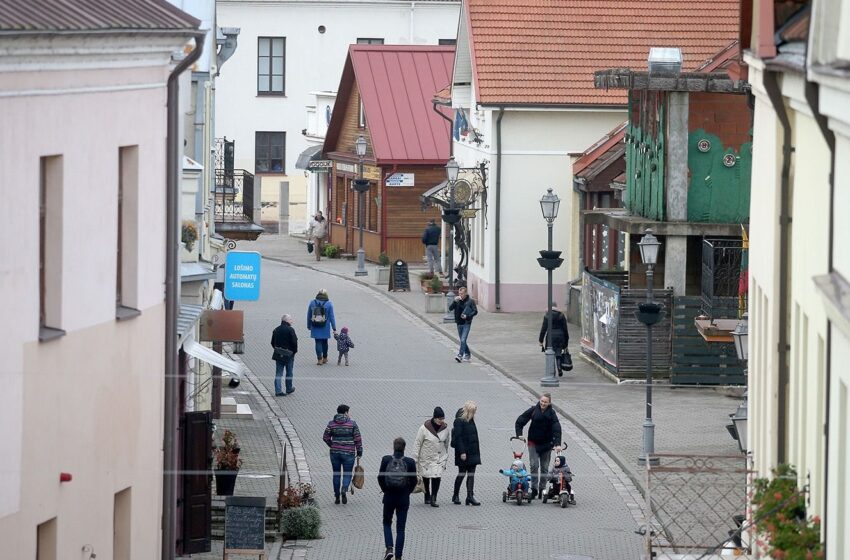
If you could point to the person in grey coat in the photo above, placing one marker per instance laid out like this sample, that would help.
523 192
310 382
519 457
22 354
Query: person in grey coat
431 240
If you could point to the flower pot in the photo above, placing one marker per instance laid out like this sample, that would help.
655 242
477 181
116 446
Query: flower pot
435 303
382 275
225 482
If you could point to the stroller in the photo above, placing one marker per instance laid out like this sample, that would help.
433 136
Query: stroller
517 491
559 491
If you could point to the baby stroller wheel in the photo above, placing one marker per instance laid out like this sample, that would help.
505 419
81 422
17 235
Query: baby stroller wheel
564 500
518 497
545 497
504 496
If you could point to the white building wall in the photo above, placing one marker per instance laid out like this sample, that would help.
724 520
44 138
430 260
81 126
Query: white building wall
90 402
313 61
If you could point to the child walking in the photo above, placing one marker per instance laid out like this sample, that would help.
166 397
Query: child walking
343 345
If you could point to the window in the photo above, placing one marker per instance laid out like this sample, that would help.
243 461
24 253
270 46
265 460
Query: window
369 41
46 540
121 526
269 151
271 54
361 118
50 247
127 233
447 42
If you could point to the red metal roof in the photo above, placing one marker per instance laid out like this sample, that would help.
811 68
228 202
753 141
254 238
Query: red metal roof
545 51
90 15
600 148
397 84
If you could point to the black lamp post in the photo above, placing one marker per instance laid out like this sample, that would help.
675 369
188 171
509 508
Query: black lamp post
649 313
451 216
739 418
361 186
550 260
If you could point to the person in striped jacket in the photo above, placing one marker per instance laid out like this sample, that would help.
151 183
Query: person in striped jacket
343 437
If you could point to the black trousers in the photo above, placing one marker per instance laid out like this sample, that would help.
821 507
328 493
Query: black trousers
469 472
432 486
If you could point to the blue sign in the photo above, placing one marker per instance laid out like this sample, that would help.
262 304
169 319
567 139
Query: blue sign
242 276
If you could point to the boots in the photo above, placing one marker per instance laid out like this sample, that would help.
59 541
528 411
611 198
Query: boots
434 501
456 500
471 501
470 495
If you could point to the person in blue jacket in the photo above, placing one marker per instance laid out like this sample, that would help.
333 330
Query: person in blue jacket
321 321
519 476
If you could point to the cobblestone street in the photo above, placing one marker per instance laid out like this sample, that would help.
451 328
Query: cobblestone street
399 371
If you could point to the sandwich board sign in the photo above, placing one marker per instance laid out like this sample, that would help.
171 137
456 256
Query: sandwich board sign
242 276
244 526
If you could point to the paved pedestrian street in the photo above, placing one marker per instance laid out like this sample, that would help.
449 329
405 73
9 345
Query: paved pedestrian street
400 370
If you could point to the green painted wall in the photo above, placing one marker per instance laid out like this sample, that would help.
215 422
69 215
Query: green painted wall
718 193
645 170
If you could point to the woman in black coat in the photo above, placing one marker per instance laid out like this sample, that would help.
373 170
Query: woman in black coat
560 337
467 452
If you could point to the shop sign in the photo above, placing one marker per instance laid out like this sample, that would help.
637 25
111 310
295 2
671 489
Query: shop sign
400 180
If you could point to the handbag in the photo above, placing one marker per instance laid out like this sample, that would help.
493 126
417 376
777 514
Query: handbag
283 354
566 361
420 486
309 247
359 478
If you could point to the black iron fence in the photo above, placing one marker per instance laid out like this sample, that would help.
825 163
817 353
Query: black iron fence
721 270
234 195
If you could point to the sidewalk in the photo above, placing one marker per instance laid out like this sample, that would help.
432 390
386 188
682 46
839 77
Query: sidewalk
689 420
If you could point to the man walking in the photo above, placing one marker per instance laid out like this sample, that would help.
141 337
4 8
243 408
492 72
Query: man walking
431 240
544 433
317 232
465 309
285 344
397 479
343 437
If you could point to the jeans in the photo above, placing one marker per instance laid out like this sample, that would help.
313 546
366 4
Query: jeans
398 508
539 467
463 334
432 252
321 347
278 374
341 462
520 483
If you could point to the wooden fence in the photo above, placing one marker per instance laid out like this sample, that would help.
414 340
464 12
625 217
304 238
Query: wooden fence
631 346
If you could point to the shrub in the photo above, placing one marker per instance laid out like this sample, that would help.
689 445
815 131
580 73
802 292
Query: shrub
436 284
295 496
331 251
383 259
301 522
780 517
189 234
426 276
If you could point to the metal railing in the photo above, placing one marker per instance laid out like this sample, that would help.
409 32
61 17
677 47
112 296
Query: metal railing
721 270
234 196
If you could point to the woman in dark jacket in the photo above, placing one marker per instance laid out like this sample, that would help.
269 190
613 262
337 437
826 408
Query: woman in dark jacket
467 452
560 337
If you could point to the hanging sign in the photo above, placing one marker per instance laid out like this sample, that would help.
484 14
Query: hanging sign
242 276
400 180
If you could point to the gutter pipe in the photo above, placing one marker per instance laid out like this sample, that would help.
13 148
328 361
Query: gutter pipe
172 270
498 258
774 93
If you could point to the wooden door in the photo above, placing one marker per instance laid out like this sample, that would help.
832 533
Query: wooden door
197 482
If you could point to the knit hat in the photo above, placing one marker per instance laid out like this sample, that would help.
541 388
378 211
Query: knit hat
438 413
344 330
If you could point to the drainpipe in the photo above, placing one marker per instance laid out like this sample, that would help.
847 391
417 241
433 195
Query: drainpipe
812 92
498 258
172 284
774 93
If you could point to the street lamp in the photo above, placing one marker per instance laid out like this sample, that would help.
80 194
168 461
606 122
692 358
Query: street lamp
361 186
739 417
648 313
451 216
550 260
739 335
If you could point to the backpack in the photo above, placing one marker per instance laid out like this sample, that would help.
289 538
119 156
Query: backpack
319 318
395 477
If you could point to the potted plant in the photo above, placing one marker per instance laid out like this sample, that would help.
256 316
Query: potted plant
227 463
331 251
382 271
435 300
189 234
425 280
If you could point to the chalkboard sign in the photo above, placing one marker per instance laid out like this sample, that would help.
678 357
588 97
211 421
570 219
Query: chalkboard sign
399 277
244 524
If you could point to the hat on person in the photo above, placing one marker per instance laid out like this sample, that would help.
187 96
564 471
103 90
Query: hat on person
518 463
438 412
344 329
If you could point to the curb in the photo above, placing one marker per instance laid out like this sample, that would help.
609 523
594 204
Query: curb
633 476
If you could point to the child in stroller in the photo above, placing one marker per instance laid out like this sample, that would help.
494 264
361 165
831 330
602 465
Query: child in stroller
560 490
518 486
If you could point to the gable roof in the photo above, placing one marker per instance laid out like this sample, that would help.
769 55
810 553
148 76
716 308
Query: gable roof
92 15
602 153
397 85
544 52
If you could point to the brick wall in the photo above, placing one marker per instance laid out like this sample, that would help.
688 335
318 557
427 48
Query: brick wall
726 115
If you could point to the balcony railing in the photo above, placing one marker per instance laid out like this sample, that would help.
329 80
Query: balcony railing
721 270
236 214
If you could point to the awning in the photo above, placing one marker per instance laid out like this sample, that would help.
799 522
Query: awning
212 357
311 160
430 196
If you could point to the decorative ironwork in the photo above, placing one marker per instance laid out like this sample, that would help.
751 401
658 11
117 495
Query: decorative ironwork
234 196
695 504
721 270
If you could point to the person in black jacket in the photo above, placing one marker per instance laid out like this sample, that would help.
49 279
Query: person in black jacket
544 433
560 337
465 309
467 452
397 479
284 337
431 240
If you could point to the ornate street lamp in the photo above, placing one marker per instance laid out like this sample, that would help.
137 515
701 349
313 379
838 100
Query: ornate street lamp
739 417
451 216
361 186
649 313
550 260
739 335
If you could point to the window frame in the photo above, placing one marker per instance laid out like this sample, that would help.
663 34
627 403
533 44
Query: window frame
269 158
370 41
447 42
270 68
